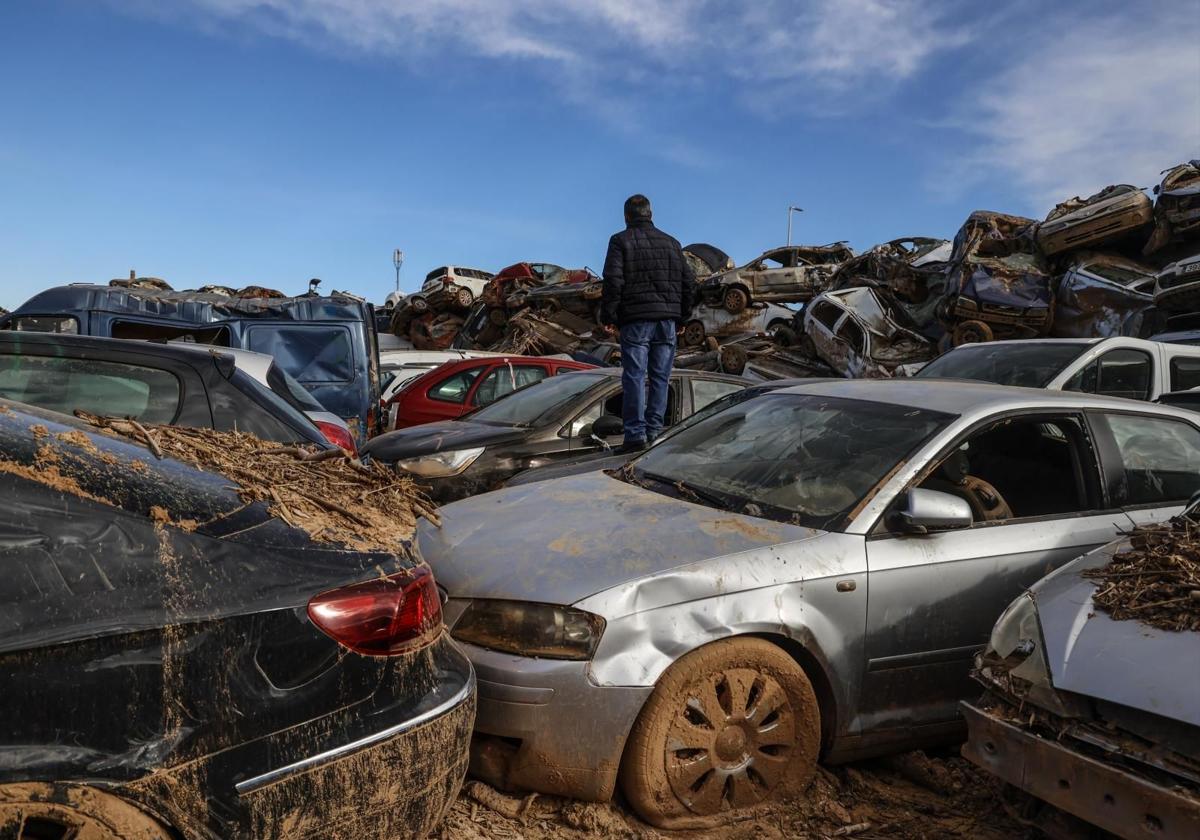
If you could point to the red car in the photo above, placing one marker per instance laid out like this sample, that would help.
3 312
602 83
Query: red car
450 391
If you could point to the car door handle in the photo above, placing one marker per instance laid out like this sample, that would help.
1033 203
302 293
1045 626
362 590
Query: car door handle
846 586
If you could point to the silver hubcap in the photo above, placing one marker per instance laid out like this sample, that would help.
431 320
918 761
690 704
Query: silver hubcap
730 742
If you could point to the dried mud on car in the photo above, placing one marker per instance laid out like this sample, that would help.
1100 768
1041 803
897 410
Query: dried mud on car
912 796
1157 580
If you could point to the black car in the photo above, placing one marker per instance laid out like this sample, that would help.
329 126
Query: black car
600 460
150 382
177 663
558 418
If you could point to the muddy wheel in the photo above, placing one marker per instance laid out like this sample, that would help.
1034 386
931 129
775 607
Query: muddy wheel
693 334
419 305
464 297
972 332
727 726
40 811
735 300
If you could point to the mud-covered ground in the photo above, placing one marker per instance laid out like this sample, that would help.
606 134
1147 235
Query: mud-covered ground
912 797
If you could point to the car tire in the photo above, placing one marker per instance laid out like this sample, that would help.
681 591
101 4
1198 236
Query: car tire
728 726
464 297
735 300
972 332
693 334
419 305
34 810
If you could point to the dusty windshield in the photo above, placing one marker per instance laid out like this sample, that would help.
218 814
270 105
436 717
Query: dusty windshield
535 403
1029 364
805 459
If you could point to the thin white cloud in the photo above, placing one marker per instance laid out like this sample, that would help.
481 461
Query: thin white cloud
1090 103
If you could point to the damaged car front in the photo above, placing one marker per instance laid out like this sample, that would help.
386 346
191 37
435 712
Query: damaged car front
1103 295
1176 207
1091 690
178 661
998 285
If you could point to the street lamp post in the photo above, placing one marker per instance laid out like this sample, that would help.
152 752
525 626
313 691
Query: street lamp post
790 211
397 260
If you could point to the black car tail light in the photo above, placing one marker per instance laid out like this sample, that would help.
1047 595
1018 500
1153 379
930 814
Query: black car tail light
387 616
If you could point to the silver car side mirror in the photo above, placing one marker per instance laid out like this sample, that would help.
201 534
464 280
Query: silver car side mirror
926 510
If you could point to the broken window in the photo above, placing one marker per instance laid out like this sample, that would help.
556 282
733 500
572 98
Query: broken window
1118 373
106 388
826 314
851 333
505 379
316 354
1185 373
140 331
777 259
1157 458
454 388
48 323
1018 469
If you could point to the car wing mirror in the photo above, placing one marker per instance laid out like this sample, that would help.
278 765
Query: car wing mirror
607 425
922 511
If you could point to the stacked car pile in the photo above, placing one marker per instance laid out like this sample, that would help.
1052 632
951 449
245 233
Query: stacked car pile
431 318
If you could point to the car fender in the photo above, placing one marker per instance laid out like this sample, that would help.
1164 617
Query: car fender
812 591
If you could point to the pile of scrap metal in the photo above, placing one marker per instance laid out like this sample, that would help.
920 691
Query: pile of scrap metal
431 317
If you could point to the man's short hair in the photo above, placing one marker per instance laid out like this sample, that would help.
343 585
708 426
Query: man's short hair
637 207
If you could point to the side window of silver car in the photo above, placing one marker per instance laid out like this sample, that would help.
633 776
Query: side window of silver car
1160 459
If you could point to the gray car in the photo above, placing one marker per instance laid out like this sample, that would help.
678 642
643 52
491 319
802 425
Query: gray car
804 576
1093 713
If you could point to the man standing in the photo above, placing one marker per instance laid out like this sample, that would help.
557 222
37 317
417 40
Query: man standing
648 290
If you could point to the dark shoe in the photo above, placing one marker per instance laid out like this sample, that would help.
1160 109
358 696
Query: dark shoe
631 447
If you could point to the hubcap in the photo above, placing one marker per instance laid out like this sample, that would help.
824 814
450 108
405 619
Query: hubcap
730 742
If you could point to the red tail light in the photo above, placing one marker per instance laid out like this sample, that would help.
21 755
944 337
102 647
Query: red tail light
336 435
382 617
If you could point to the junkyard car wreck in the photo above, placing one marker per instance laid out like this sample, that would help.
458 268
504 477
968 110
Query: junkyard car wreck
724 613
1119 753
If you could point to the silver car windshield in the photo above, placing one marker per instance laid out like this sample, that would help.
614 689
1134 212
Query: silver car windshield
1030 364
805 459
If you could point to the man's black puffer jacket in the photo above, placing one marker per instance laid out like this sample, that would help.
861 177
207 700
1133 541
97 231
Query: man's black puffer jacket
646 277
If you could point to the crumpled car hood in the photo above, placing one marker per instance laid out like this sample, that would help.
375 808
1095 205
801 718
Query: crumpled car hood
1124 662
445 435
560 541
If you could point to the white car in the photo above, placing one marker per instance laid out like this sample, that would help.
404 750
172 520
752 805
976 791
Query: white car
1133 368
716 320
450 285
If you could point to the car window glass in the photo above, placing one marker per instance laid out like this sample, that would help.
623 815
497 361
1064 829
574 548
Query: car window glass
851 333
769 263
808 460
310 354
706 391
110 389
49 323
1028 364
454 388
584 421
505 379
1160 459
1016 469
826 313
1185 373
540 401
1118 373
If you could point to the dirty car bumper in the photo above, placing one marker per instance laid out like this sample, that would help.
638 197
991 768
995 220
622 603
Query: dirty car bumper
385 772
1103 794
543 725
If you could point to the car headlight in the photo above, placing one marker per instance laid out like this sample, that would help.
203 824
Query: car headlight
1016 634
440 464
528 629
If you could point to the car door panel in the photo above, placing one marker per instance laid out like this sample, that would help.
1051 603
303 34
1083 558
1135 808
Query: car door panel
935 597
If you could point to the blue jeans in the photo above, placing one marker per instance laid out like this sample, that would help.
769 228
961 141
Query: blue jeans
647 353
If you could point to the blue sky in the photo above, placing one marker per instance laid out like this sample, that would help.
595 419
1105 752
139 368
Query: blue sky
269 141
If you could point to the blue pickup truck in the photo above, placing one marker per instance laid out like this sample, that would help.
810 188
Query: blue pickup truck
327 343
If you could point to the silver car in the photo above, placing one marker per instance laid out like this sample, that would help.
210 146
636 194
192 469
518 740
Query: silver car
806 575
